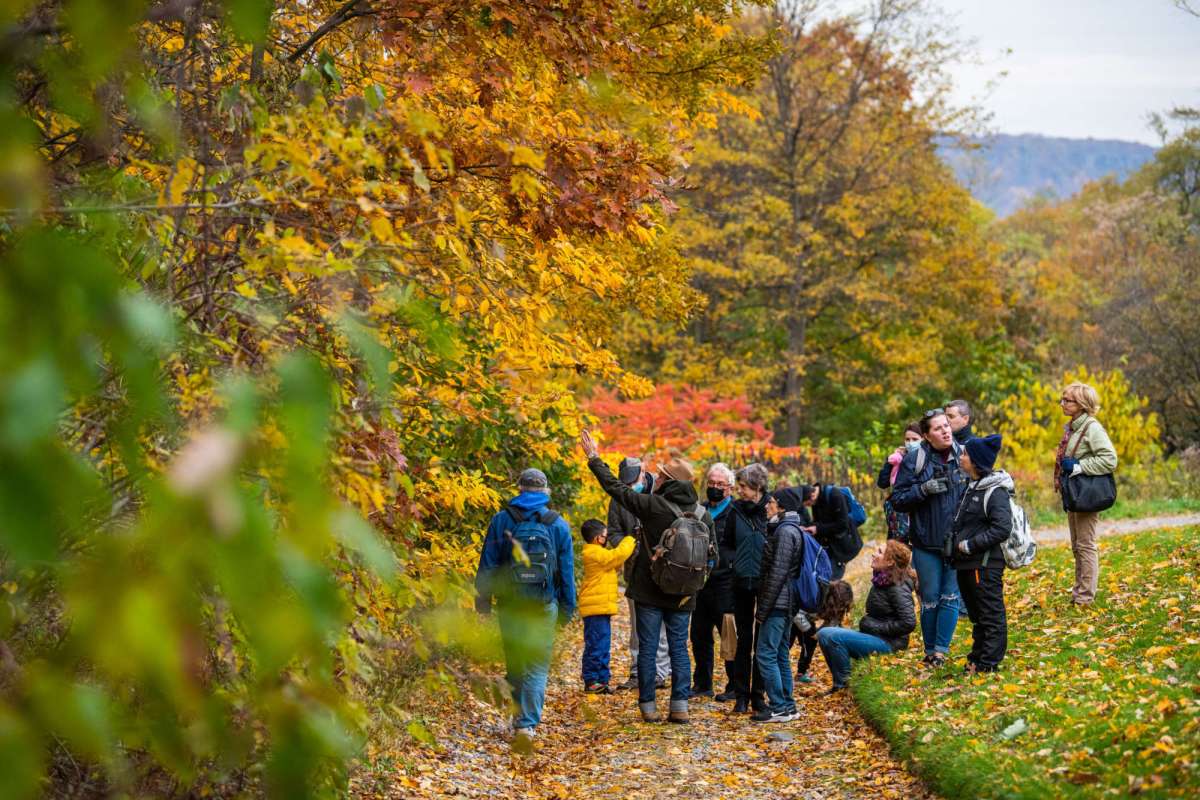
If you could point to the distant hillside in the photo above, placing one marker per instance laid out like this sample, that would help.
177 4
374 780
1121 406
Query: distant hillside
1008 170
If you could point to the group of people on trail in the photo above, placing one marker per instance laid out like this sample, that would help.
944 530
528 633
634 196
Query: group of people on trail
765 568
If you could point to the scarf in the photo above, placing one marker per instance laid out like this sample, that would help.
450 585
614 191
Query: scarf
882 578
719 508
1059 455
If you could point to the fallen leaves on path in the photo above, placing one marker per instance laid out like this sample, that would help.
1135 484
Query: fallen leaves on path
596 746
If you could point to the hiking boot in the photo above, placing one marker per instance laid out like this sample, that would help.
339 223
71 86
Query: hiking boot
835 690
660 683
632 683
678 717
725 697
741 706
937 660
597 688
758 705
649 712
694 692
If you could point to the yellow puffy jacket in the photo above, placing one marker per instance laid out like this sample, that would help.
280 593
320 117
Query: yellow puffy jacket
598 594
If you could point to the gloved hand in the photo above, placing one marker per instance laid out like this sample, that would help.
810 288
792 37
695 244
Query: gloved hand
934 486
964 547
1068 465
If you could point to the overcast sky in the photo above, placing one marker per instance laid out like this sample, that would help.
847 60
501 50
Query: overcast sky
1079 68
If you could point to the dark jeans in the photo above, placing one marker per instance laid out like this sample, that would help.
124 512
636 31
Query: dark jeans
747 679
649 621
705 619
983 592
597 644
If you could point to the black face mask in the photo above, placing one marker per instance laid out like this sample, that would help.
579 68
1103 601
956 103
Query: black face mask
715 495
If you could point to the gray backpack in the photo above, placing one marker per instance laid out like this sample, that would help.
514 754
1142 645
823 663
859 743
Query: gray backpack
685 554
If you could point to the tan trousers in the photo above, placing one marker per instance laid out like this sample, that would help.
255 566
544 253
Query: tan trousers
1086 548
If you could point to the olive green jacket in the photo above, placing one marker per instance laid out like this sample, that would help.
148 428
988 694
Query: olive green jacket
1096 454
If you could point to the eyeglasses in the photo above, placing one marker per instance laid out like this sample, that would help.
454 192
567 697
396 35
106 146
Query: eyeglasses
933 412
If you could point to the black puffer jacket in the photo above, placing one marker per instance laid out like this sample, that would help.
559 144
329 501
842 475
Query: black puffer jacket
622 523
780 564
745 535
835 530
655 514
984 529
891 614
719 589
930 517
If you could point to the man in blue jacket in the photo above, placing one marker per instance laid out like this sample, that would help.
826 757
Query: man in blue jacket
534 587
928 487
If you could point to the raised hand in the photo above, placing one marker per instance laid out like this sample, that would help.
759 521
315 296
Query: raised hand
588 444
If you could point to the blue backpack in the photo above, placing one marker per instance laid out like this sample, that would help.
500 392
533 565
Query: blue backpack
533 567
858 514
815 573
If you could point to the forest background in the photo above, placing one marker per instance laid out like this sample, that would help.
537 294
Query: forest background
291 291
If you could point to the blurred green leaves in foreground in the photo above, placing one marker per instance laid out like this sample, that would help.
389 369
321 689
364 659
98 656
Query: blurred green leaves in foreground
191 614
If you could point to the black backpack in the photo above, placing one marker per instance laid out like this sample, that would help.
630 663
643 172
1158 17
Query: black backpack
681 562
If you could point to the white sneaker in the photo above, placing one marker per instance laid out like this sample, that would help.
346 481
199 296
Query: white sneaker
522 741
790 716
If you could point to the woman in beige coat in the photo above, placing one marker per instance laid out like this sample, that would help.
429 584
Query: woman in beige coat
1085 449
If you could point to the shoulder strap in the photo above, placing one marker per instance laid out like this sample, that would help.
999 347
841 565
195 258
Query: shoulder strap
987 495
676 510
920 460
1082 431
548 517
515 513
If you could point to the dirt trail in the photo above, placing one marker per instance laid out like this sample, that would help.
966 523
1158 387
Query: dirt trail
595 746
1116 527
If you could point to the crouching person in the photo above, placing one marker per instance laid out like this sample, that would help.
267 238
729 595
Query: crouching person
531 593
984 521
890 615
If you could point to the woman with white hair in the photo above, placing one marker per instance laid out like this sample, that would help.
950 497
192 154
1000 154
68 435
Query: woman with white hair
1085 449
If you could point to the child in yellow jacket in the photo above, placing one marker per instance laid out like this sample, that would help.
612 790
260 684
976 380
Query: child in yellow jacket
598 601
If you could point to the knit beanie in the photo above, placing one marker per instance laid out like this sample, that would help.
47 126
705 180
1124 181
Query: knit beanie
791 499
983 451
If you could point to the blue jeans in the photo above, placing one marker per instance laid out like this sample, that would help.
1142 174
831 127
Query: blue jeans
774 663
527 634
939 599
649 621
842 644
597 641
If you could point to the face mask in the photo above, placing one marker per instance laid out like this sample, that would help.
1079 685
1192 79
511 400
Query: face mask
910 446
639 487
715 495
